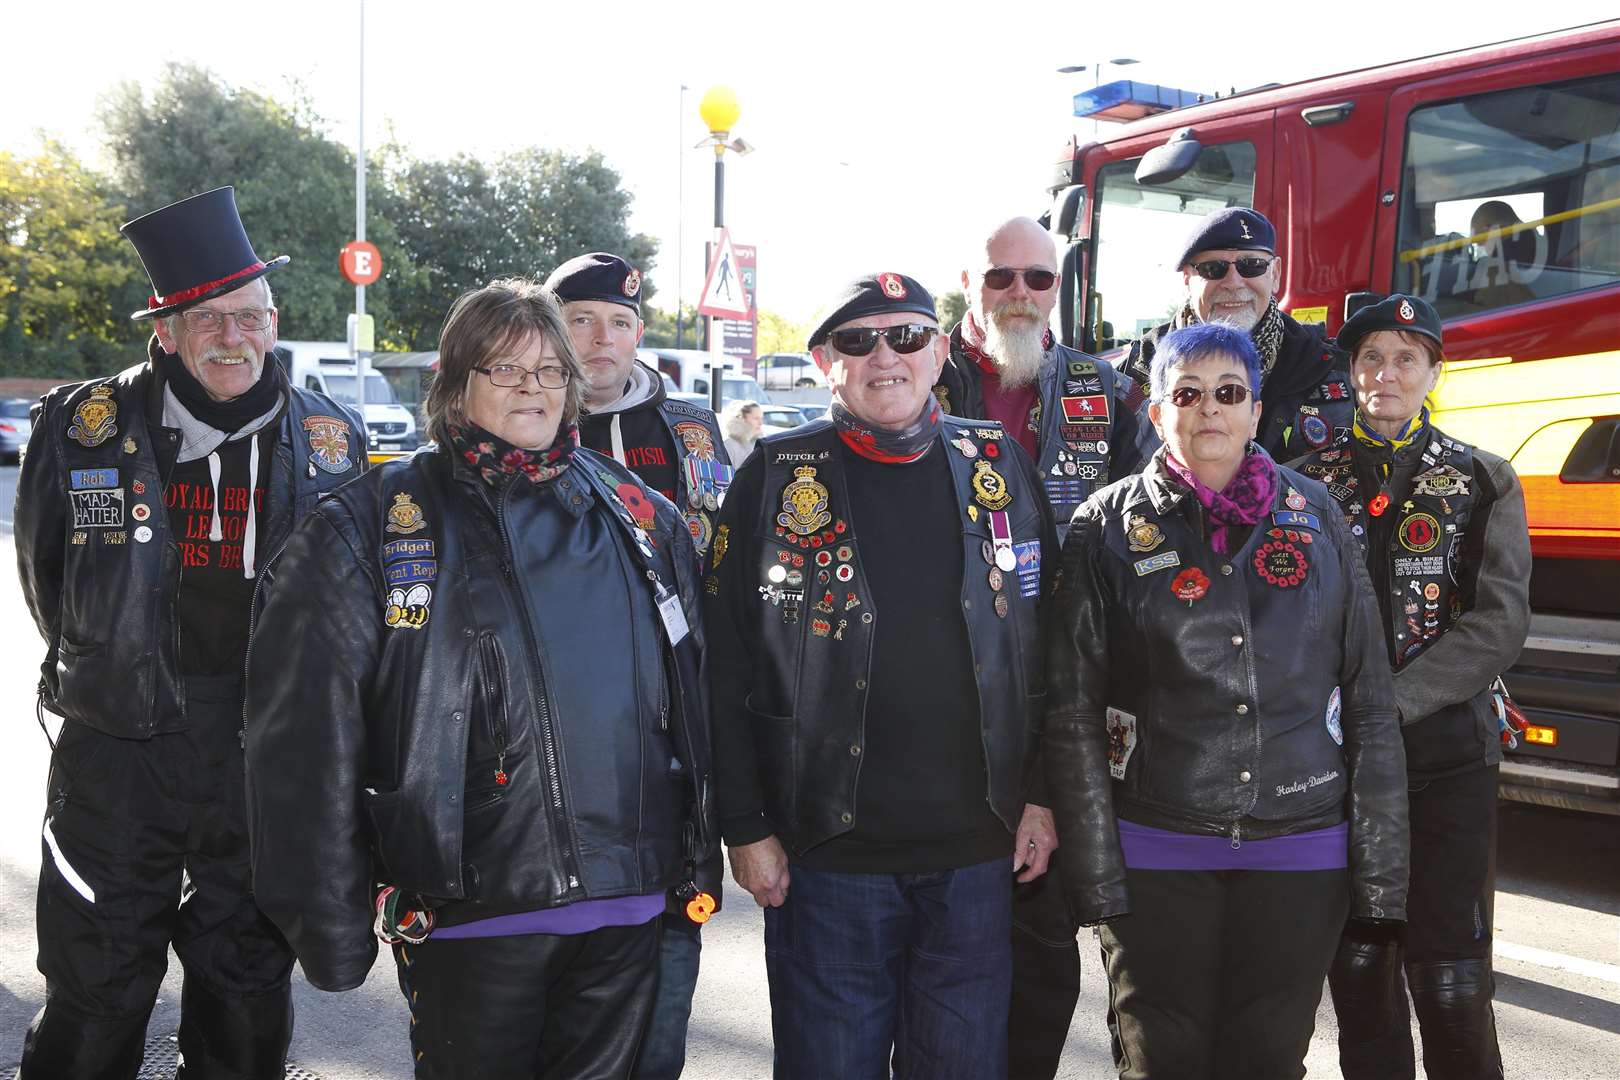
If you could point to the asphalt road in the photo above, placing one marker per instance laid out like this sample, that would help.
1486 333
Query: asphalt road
1557 932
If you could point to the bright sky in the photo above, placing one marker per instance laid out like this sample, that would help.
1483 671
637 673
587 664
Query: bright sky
887 135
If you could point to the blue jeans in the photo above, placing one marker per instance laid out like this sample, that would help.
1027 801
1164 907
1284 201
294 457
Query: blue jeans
917 966
663 1051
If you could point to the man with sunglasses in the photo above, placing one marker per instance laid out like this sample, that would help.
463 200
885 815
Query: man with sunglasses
1077 418
874 607
148 507
1230 273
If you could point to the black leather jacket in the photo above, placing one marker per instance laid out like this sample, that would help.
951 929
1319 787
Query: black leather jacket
401 669
1196 692
793 721
1088 417
107 610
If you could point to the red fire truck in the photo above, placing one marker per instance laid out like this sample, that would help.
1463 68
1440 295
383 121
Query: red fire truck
1486 180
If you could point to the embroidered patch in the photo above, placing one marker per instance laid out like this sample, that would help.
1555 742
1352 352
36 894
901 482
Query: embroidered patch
804 503
407 609
99 509
1028 554
1296 519
328 443
1121 741
1142 534
1419 533
1281 564
1162 561
81 479
1084 408
892 285
405 516
1189 585
989 488
95 419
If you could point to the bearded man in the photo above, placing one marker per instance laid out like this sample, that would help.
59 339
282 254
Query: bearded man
1230 272
1074 415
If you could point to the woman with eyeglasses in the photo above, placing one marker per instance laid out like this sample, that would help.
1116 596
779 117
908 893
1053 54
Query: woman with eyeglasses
476 724
1441 525
1221 746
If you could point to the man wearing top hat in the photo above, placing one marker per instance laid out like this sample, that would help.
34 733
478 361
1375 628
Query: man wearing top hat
149 505
674 446
1230 272
874 607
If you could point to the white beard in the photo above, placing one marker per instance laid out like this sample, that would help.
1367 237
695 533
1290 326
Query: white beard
1016 349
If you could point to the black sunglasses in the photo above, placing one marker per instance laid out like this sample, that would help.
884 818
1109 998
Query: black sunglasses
902 339
1185 397
1001 277
1250 266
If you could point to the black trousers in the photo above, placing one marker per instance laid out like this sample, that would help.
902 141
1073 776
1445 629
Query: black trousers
1217 974
1045 977
145 845
1444 950
532 1007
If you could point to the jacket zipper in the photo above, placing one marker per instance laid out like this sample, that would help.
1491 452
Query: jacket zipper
548 738
494 684
1237 836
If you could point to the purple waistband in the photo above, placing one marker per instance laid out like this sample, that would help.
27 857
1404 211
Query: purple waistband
580 918
1147 848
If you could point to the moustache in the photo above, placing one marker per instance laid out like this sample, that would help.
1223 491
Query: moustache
1016 309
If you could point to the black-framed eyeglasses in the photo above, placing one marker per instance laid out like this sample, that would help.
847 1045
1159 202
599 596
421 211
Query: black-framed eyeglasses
1038 279
860 340
208 321
1185 397
1250 266
508 376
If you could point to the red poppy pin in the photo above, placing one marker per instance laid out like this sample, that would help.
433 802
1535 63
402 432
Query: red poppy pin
1379 504
1189 585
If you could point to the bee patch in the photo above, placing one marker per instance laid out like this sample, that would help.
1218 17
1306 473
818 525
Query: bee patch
407 609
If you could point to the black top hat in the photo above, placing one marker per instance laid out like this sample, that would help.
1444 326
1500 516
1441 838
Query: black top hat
194 249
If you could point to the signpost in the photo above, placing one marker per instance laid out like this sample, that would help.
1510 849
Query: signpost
724 298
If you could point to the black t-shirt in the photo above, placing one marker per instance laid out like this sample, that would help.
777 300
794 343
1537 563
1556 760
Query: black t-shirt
644 439
216 592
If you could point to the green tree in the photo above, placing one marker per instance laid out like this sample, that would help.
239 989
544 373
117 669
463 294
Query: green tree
661 330
68 281
294 185
777 333
952 306
465 222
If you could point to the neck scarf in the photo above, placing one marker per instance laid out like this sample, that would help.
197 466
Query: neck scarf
227 416
498 461
1243 501
1409 434
879 444
1267 332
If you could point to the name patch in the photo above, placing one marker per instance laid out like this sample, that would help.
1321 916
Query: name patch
98 509
1144 567
82 479
1296 518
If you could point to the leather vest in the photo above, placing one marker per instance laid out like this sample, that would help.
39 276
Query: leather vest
1422 563
704 471
816 618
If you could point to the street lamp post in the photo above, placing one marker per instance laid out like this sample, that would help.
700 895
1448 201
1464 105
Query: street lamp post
719 110
680 220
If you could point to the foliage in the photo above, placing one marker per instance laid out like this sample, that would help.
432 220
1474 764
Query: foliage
661 328
776 333
951 306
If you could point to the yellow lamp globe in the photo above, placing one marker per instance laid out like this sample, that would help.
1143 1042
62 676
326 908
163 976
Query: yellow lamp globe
719 108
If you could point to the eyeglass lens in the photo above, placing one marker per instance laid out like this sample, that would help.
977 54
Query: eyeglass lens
1001 277
1215 269
206 320
508 376
860 340
1185 397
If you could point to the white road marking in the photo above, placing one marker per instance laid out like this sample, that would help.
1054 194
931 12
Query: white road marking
1525 954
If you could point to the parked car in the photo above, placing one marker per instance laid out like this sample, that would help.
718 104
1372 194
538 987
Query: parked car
690 368
787 371
811 410
783 416
14 429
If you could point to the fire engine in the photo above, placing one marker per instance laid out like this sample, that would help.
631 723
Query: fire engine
1486 180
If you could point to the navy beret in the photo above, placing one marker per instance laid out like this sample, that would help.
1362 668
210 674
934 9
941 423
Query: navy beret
875 294
597 276
1412 314
1235 228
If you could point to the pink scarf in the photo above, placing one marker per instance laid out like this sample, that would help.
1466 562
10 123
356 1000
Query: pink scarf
1244 501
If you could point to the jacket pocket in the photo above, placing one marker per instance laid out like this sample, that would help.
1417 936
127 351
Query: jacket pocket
774 750
487 777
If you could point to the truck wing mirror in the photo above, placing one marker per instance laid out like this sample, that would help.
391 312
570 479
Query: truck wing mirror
1065 212
1165 163
1354 302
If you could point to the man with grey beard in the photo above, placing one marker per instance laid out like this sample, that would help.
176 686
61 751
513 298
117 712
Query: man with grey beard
1077 418
1075 415
1230 272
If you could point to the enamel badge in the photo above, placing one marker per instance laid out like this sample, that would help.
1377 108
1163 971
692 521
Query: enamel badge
95 420
405 516
804 503
1142 534
989 488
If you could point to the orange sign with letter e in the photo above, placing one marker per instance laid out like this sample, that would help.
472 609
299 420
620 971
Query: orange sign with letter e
360 262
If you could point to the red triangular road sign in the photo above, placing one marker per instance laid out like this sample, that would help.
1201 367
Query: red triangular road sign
723 292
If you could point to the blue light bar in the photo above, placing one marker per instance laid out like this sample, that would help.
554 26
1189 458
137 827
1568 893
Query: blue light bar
1131 100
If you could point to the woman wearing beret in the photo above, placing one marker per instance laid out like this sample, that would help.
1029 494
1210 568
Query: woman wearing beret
1220 744
1442 529
476 721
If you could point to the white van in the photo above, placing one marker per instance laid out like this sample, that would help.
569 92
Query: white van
326 366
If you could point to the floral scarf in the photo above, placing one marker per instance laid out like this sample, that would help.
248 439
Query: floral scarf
497 460
1244 501
890 447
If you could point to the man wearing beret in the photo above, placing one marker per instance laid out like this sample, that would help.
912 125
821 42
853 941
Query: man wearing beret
874 607
1076 417
675 446
149 505
1230 272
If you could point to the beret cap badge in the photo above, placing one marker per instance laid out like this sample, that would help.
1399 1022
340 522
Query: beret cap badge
893 287
632 283
1405 312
